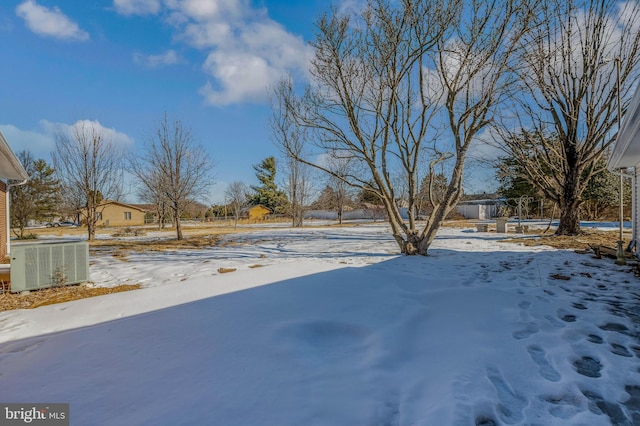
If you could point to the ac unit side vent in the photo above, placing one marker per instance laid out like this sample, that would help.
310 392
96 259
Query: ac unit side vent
38 266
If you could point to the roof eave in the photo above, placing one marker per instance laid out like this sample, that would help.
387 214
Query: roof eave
10 166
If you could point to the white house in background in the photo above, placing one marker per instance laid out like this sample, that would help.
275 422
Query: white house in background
626 156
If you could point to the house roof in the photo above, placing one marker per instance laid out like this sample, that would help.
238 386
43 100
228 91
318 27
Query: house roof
10 166
132 206
626 152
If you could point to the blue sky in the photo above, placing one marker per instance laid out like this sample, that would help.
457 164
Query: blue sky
123 63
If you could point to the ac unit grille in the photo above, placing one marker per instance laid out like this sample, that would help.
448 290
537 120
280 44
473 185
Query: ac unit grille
37 266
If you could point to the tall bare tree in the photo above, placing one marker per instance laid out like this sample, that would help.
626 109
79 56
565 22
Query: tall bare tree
154 195
299 188
89 167
285 132
340 166
173 165
571 68
397 81
237 196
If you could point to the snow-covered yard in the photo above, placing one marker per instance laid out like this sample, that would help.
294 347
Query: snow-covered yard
332 328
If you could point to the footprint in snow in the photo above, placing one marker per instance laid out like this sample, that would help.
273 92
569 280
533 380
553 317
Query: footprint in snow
633 404
486 421
539 356
612 326
510 404
528 330
554 321
563 406
594 338
599 406
579 306
587 366
525 304
566 316
620 350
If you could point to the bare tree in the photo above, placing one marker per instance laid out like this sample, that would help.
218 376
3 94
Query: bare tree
88 166
401 80
564 112
174 166
299 189
285 133
341 167
154 195
237 196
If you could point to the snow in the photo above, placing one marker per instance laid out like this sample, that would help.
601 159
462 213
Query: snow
334 328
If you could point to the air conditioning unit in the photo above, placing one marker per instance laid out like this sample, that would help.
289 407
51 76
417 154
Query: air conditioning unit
42 265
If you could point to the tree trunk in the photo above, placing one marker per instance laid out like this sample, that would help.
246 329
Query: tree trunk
91 229
411 245
570 206
91 222
177 212
178 229
569 219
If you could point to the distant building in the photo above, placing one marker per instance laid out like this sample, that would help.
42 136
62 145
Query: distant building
480 209
257 212
115 213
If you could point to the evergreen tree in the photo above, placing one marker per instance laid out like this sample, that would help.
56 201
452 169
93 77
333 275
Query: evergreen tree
36 200
368 195
602 194
514 183
438 189
326 199
268 194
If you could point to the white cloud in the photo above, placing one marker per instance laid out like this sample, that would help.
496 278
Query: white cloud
49 22
41 141
247 52
248 59
241 76
169 57
211 10
118 139
137 7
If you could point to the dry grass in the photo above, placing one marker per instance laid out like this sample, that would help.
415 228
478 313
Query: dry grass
120 249
49 296
577 242
536 237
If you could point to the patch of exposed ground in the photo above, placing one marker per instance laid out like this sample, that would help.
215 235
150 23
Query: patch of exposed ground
120 247
576 242
49 296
